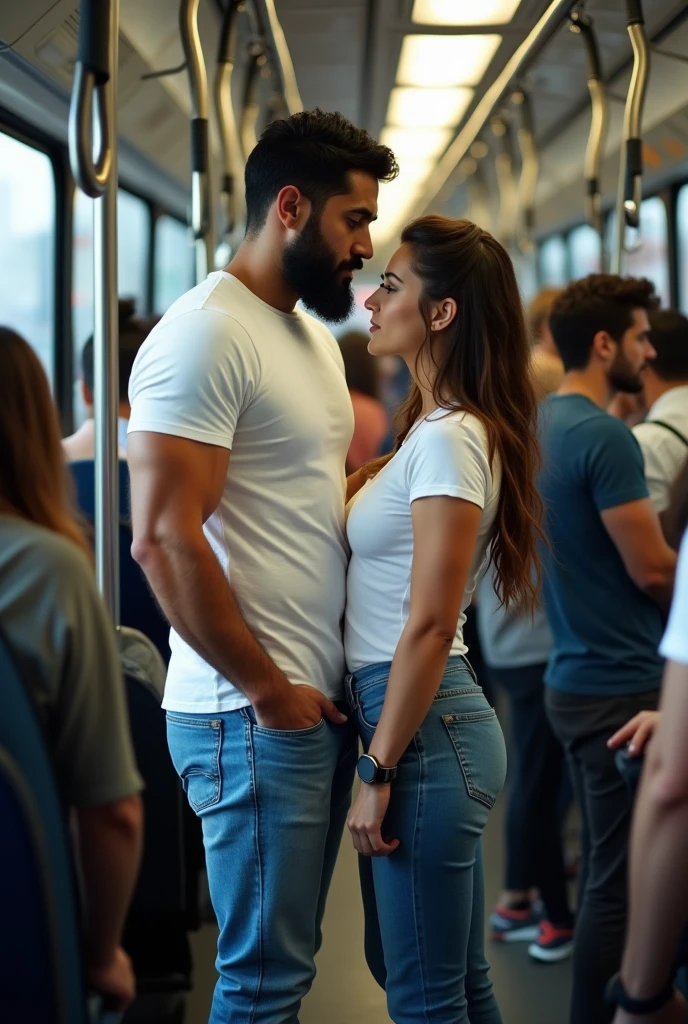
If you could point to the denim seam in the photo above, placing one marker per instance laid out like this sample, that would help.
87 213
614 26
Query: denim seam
418 743
250 753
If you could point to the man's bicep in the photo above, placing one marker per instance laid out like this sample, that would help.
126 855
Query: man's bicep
173 477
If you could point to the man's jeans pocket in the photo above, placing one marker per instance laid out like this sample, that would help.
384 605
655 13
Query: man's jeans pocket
195 744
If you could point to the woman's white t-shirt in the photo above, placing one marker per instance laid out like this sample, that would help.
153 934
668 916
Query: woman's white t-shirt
445 454
675 643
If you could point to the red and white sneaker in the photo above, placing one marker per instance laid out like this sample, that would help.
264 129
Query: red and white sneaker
552 944
509 925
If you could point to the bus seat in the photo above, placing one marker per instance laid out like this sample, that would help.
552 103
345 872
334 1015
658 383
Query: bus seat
40 968
138 607
156 931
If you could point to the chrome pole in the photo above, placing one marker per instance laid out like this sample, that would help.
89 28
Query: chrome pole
229 135
629 193
278 44
201 219
598 127
105 351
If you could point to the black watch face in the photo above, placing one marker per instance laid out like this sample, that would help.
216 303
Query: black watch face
366 769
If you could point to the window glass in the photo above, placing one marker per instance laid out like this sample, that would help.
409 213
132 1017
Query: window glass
552 262
584 251
27 246
651 260
174 262
682 245
526 274
133 224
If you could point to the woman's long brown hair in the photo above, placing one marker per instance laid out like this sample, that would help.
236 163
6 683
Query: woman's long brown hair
484 370
33 475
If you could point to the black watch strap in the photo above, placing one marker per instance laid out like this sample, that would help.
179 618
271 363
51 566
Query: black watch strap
616 995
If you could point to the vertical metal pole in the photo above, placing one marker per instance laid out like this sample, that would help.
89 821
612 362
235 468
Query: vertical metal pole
105 352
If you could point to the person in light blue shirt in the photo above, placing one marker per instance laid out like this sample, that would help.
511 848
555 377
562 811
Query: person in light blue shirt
608 572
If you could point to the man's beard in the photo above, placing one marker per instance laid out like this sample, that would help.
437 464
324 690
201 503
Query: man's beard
310 269
623 378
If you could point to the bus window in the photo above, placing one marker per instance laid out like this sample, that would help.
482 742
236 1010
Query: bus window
174 262
652 259
133 227
552 262
682 246
27 246
584 251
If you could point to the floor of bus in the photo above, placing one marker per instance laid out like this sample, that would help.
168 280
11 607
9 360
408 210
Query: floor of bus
344 992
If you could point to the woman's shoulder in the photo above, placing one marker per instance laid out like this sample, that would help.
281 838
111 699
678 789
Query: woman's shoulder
43 552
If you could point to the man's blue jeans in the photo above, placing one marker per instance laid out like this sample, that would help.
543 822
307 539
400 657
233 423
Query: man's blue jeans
273 806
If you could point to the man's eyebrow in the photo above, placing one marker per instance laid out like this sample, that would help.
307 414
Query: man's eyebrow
364 212
388 273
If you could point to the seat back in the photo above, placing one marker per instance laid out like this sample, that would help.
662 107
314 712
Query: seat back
40 967
138 607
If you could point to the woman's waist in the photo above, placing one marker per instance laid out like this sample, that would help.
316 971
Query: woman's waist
458 675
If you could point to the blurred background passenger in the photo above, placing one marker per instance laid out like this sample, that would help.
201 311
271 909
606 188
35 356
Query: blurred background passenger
663 436
64 646
133 331
547 367
371 422
515 648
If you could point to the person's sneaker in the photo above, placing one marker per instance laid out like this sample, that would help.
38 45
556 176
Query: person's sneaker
510 925
552 944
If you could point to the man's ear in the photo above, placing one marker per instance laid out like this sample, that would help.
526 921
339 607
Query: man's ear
293 208
604 347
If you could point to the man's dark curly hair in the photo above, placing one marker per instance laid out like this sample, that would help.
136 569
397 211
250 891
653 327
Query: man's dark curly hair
599 302
314 151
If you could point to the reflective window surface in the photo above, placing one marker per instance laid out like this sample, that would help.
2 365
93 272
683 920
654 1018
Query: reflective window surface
174 262
27 246
552 262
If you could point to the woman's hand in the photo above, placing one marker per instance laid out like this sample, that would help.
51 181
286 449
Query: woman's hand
636 733
366 818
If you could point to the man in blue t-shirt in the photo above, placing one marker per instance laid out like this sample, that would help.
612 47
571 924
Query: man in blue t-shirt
608 574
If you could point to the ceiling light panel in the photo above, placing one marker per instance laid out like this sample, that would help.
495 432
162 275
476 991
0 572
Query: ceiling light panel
423 143
428 108
464 12
445 61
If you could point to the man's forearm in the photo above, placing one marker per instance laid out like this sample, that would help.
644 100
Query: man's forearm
198 602
659 886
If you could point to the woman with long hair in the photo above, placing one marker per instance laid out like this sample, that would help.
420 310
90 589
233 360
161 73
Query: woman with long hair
460 482
63 644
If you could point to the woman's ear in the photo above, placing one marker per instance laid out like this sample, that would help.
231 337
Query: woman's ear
443 313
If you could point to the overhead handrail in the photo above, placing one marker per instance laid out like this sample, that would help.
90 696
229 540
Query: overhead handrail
530 166
552 19
506 186
582 24
229 135
629 195
250 108
201 220
92 72
280 52
98 59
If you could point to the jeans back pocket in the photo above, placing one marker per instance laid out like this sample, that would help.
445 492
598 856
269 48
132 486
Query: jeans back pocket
195 746
479 744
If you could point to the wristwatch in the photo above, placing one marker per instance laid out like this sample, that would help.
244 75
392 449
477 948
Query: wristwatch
616 995
371 771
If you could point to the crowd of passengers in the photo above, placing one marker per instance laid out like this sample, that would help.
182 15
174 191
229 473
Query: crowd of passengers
514 483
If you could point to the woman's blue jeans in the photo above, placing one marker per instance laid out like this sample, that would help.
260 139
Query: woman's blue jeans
424 905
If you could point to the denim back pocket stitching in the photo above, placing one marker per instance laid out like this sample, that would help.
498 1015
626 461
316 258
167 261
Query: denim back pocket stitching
455 737
215 778
464 691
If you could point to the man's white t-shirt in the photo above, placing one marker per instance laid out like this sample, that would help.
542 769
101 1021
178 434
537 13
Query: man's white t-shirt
224 368
445 454
674 646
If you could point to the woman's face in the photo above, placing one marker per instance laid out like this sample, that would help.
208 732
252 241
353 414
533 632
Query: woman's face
397 327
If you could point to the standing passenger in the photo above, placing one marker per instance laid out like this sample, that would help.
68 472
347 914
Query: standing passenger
608 573
461 478
247 554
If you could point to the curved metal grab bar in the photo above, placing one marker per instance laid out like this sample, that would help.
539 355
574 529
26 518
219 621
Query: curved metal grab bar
200 150
91 74
283 61
581 24
505 180
229 135
629 193
530 167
